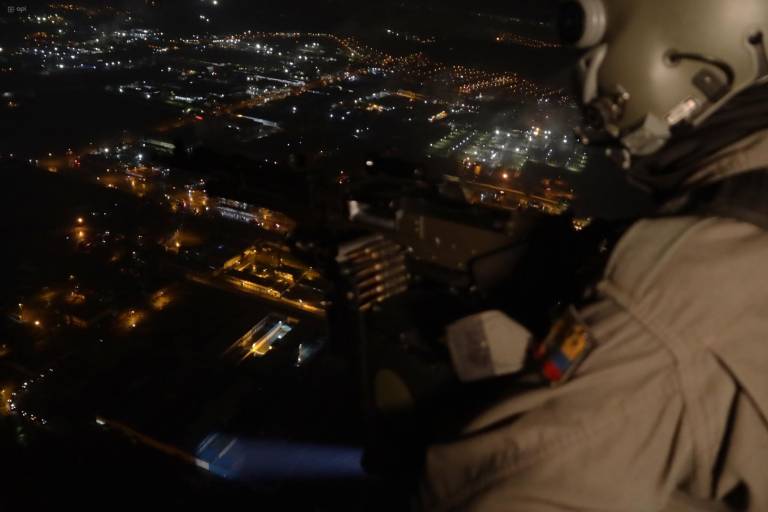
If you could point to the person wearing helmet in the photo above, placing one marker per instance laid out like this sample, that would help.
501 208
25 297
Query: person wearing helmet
657 392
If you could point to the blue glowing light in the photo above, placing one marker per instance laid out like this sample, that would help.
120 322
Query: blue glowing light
248 460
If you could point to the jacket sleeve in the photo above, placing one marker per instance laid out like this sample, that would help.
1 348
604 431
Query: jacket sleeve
670 399
614 438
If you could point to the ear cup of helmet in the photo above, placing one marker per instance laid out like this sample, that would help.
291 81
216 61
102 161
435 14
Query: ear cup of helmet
581 23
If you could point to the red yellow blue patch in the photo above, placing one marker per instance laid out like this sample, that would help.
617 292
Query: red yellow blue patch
566 346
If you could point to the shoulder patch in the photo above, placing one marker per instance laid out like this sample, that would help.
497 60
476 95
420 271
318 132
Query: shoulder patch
566 346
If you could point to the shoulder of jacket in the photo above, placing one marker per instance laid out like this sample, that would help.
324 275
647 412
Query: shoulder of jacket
692 276
685 252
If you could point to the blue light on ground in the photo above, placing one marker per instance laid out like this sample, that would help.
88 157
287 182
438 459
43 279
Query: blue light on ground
250 460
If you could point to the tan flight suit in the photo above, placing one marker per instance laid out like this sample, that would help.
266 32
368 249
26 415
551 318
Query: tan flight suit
672 402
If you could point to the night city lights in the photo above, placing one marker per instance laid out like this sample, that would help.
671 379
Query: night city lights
210 206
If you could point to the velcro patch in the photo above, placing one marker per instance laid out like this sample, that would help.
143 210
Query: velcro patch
566 346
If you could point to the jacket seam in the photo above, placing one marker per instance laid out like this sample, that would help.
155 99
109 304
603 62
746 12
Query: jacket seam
669 340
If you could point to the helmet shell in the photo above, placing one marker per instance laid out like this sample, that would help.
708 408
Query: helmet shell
675 60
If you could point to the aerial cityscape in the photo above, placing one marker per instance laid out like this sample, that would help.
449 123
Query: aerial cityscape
159 322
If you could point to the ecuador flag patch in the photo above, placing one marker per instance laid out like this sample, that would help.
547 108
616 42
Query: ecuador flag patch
566 346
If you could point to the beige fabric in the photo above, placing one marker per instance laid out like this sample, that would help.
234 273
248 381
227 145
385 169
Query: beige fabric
674 397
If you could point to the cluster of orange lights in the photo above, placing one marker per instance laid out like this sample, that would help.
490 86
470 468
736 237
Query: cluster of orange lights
508 37
79 8
418 66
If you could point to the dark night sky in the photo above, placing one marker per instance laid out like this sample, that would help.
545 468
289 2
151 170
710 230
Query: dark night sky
329 14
